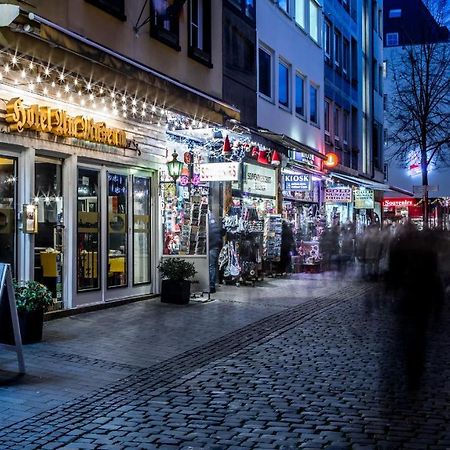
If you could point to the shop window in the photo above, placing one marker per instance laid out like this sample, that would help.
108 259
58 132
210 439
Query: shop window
314 20
265 72
313 104
200 31
48 249
164 25
114 7
300 13
117 230
88 230
8 187
141 230
283 84
300 95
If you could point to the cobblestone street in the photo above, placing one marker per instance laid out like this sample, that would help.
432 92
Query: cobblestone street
312 363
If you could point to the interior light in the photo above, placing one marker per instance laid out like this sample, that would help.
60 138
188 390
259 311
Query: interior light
47 71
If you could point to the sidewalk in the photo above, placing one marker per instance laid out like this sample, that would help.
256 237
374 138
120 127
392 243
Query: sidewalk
83 353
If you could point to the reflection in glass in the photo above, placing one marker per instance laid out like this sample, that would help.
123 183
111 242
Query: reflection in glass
117 230
141 230
88 229
7 210
48 257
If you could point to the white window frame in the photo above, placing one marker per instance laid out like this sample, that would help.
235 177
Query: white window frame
389 37
303 78
317 9
271 53
300 20
199 25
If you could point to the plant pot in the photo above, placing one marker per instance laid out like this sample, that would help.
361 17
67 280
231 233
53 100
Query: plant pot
30 323
177 292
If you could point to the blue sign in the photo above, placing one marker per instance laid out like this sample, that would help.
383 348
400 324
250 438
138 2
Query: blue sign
297 182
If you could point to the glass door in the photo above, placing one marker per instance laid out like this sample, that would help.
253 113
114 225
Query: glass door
141 230
48 241
8 182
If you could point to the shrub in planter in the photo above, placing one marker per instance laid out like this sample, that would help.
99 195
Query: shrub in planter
32 299
175 286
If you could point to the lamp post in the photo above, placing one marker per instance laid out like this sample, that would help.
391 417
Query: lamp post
174 167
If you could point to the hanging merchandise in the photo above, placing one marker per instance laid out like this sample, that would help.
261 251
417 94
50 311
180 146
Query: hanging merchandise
226 151
272 237
276 159
262 157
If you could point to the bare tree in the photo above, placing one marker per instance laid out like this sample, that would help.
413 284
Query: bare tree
419 110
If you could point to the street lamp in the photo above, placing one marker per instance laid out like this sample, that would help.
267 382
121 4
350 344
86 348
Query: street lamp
174 167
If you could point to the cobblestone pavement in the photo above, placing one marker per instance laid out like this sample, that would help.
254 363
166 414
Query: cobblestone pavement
333 372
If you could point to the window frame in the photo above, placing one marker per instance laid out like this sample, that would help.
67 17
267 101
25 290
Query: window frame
171 37
302 24
271 55
327 39
326 115
315 87
337 44
313 5
287 10
202 55
300 76
345 57
345 127
287 66
391 35
336 123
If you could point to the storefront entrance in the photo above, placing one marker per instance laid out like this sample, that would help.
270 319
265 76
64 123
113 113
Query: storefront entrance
8 211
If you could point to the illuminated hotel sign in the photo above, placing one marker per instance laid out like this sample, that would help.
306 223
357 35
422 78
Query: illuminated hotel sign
58 122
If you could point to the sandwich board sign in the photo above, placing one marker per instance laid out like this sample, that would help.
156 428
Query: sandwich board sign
9 322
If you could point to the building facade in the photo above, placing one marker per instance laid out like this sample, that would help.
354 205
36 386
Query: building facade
84 114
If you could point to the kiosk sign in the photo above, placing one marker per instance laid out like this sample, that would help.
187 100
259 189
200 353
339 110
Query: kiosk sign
297 182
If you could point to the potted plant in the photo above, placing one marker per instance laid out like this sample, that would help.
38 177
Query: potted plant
175 286
32 299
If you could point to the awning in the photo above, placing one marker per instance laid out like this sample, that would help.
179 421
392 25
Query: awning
369 184
47 41
300 167
290 143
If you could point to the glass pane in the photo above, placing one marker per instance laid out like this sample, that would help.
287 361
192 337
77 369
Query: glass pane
283 4
265 73
314 21
299 96
88 230
48 258
141 230
117 230
7 210
300 12
283 80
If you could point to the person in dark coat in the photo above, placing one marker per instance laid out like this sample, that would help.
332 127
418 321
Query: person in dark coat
215 244
287 246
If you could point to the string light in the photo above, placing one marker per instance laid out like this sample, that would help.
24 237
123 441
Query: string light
133 102
31 66
153 108
133 110
89 86
14 60
38 79
101 91
91 97
6 68
66 88
23 74
61 76
45 91
75 82
47 71
53 84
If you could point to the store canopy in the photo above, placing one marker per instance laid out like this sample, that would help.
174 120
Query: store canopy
290 143
370 184
46 41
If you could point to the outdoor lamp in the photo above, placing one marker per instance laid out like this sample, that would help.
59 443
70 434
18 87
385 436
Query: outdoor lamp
174 167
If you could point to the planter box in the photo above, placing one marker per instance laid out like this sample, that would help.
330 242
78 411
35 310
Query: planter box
177 292
30 323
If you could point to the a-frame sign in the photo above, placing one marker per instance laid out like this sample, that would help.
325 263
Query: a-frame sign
9 310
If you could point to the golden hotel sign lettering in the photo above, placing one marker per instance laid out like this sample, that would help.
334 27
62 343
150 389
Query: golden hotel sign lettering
58 122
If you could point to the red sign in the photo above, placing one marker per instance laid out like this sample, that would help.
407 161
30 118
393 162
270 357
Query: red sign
398 202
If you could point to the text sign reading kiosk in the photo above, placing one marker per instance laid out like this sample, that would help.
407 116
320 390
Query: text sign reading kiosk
8 315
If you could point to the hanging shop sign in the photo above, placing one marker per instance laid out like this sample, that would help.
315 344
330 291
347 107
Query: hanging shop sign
225 171
364 198
398 202
305 158
259 180
338 195
60 123
297 182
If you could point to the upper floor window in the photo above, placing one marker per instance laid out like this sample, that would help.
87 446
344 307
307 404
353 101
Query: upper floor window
114 7
345 127
327 109
283 84
299 13
327 39
337 48
284 5
164 22
247 7
300 95
395 13
314 20
265 72
200 30
313 104
336 123
391 39
345 56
